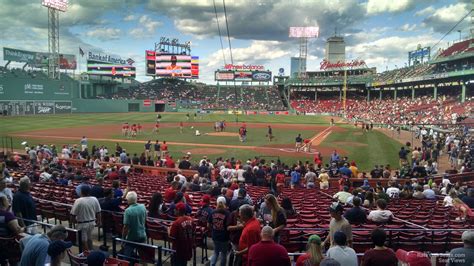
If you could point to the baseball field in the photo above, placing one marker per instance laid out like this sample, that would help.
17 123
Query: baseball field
366 148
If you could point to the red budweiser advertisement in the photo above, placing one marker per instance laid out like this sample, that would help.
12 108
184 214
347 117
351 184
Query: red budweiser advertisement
326 65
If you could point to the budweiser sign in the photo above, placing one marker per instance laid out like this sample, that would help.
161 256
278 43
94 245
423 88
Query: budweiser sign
325 65
244 67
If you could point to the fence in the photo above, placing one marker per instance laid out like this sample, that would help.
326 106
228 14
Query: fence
6 144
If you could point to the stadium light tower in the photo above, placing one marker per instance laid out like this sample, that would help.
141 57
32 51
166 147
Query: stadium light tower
303 34
54 7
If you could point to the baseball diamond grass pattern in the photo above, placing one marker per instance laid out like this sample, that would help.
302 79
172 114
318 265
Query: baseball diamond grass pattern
367 149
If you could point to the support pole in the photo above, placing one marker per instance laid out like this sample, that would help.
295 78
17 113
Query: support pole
435 92
463 92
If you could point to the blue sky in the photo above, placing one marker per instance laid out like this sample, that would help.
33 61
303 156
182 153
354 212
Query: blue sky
378 31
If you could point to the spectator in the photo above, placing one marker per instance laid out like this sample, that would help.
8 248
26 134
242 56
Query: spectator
84 182
57 251
6 192
96 258
295 178
356 215
338 223
35 248
381 215
205 211
313 255
379 255
239 201
134 219
393 191
185 164
8 222
288 207
182 236
413 258
218 222
342 196
278 217
156 208
118 193
464 255
23 204
341 252
85 212
310 177
468 199
267 252
108 203
428 192
98 189
418 194
448 200
369 201
250 233
170 193
464 212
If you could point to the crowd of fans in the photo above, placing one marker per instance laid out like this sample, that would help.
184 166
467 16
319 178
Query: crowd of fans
252 226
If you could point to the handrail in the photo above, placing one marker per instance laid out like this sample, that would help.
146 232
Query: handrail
160 250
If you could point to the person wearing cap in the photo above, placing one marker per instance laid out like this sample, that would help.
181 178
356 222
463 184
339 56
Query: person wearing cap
464 255
185 164
218 222
413 258
242 198
180 198
96 258
85 212
267 252
181 233
341 252
57 251
134 219
380 254
338 223
250 233
323 179
313 255
205 211
35 248
6 192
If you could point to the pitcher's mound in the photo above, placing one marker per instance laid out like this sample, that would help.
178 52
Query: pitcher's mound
205 151
223 134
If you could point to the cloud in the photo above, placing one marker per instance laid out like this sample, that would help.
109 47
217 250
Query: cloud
146 27
426 11
408 27
260 19
258 52
391 6
129 18
442 19
105 34
389 51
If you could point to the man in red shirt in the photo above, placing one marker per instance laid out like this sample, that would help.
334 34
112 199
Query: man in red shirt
169 161
250 234
181 126
182 236
170 193
267 252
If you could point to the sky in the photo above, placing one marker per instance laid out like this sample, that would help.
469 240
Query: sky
381 32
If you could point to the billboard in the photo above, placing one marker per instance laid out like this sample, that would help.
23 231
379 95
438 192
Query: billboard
171 65
108 65
60 5
38 59
304 32
243 75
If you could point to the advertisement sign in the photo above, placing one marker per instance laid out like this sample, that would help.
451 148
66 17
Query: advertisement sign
44 107
326 65
243 76
62 107
38 59
224 76
263 76
147 103
171 65
304 32
243 67
109 65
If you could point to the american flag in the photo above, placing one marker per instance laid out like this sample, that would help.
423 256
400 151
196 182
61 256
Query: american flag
81 52
130 61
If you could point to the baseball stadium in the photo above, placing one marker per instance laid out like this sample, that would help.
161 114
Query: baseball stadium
190 153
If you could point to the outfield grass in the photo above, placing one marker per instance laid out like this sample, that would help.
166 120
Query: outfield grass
371 148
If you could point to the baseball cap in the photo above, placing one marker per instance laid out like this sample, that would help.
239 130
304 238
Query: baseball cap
57 247
96 258
180 207
413 258
314 239
336 207
221 200
206 199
